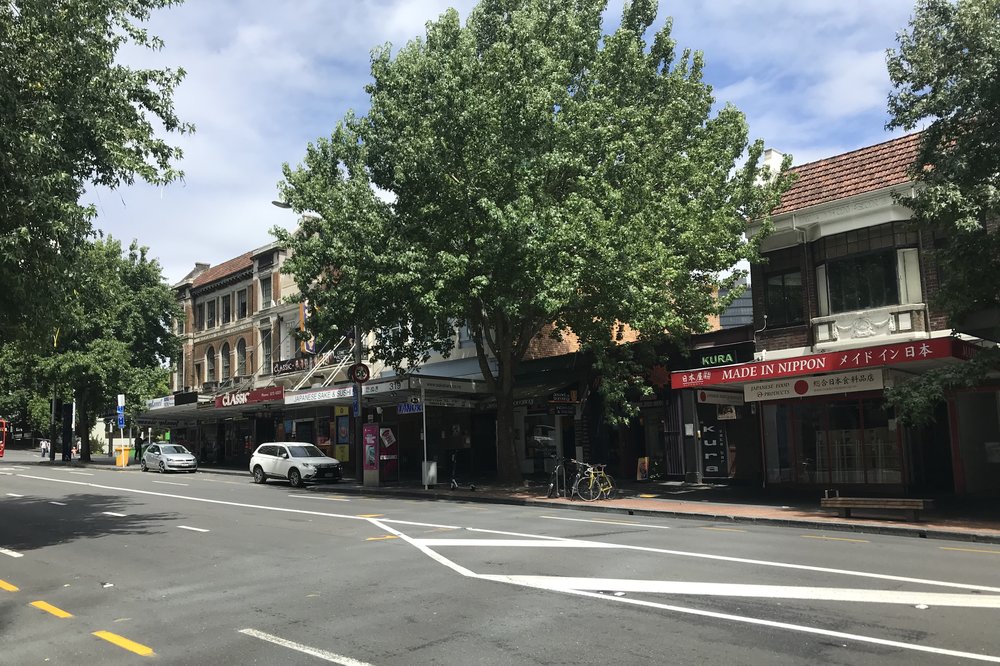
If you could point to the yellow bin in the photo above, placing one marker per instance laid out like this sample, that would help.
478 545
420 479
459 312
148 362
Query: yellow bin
122 452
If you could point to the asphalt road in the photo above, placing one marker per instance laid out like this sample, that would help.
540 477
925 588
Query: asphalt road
99 566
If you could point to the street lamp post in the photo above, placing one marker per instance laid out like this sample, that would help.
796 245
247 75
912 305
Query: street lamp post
358 419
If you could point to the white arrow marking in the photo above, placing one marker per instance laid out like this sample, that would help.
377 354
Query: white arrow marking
562 584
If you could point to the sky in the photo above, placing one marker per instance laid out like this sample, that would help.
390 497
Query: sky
265 78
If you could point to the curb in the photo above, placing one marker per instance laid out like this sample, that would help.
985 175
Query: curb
912 531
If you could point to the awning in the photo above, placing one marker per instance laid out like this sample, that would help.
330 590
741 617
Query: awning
916 356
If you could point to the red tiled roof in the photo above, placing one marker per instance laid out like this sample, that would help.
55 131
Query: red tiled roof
240 263
864 170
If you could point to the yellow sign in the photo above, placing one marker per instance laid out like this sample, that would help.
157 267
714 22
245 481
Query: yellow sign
340 410
341 452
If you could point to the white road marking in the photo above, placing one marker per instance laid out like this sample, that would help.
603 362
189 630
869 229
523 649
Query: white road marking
10 553
58 503
508 543
171 483
534 582
193 529
756 591
609 522
430 553
321 497
112 513
82 473
305 649
14 495
407 522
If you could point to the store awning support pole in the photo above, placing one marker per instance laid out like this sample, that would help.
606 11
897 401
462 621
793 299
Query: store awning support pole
423 411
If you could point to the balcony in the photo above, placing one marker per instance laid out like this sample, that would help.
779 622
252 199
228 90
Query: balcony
885 325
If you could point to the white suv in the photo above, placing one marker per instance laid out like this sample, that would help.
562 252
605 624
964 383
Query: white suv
294 461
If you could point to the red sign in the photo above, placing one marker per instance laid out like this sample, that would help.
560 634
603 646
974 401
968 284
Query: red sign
266 394
848 359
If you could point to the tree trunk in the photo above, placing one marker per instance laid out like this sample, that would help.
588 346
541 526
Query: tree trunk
508 464
85 427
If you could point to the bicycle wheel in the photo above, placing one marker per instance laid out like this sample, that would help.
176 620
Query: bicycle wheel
608 488
553 484
588 488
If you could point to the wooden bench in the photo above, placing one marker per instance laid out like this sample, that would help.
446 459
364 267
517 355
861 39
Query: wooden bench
912 507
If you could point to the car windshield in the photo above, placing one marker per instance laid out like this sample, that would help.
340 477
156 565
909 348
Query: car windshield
307 451
173 448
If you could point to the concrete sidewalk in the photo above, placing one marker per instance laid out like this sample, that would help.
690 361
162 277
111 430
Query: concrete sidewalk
961 519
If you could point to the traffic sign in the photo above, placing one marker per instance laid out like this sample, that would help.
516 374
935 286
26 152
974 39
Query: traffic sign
121 420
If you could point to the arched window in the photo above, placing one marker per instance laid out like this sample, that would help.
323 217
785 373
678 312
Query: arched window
241 358
226 361
210 365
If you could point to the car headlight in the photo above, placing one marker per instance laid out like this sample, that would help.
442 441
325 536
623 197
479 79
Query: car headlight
307 465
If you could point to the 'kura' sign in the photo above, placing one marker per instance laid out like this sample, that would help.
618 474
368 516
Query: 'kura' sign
851 359
237 398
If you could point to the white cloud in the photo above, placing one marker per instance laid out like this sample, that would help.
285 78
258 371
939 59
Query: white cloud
266 78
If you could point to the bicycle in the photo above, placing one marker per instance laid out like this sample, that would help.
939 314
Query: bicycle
593 483
558 487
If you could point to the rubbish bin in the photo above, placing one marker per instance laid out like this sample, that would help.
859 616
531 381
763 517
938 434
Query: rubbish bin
122 453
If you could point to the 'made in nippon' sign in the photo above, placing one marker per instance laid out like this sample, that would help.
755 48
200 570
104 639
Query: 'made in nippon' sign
867 357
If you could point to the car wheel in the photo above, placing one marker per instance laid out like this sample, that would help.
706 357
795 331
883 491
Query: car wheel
142 466
294 478
258 475
163 469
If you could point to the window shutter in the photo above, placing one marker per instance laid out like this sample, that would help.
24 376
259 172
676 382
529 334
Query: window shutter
908 273
822 295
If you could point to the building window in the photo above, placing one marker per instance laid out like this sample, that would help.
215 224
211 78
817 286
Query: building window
199 317
862 282
210 314
180 373
265 345
180 327
226 361
227 309
210 365
265 292
241 358
241 304
784 299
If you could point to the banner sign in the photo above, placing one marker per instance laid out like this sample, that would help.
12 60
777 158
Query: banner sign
292 365
709 357
343 393
409 408
849 359
708 397
841 382
235 399
160 403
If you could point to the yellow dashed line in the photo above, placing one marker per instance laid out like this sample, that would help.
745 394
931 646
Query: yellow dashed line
648 496
371 515
382 538
4 585
723 529
826 538
49 608
125 643
972 550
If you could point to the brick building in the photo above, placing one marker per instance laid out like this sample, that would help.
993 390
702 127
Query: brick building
843 307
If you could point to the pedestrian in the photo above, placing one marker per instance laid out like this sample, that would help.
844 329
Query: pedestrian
45 448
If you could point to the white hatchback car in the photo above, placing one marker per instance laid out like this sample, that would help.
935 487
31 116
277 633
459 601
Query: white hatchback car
167 457
295 461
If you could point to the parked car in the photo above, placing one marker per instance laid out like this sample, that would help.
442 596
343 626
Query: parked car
167 457
299 463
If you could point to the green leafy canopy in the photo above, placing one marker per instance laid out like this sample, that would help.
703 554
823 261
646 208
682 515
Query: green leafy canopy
70 115
523 170
946 73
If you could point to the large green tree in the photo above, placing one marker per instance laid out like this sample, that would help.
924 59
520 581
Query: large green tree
523 170
115 336
946 74
70 116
